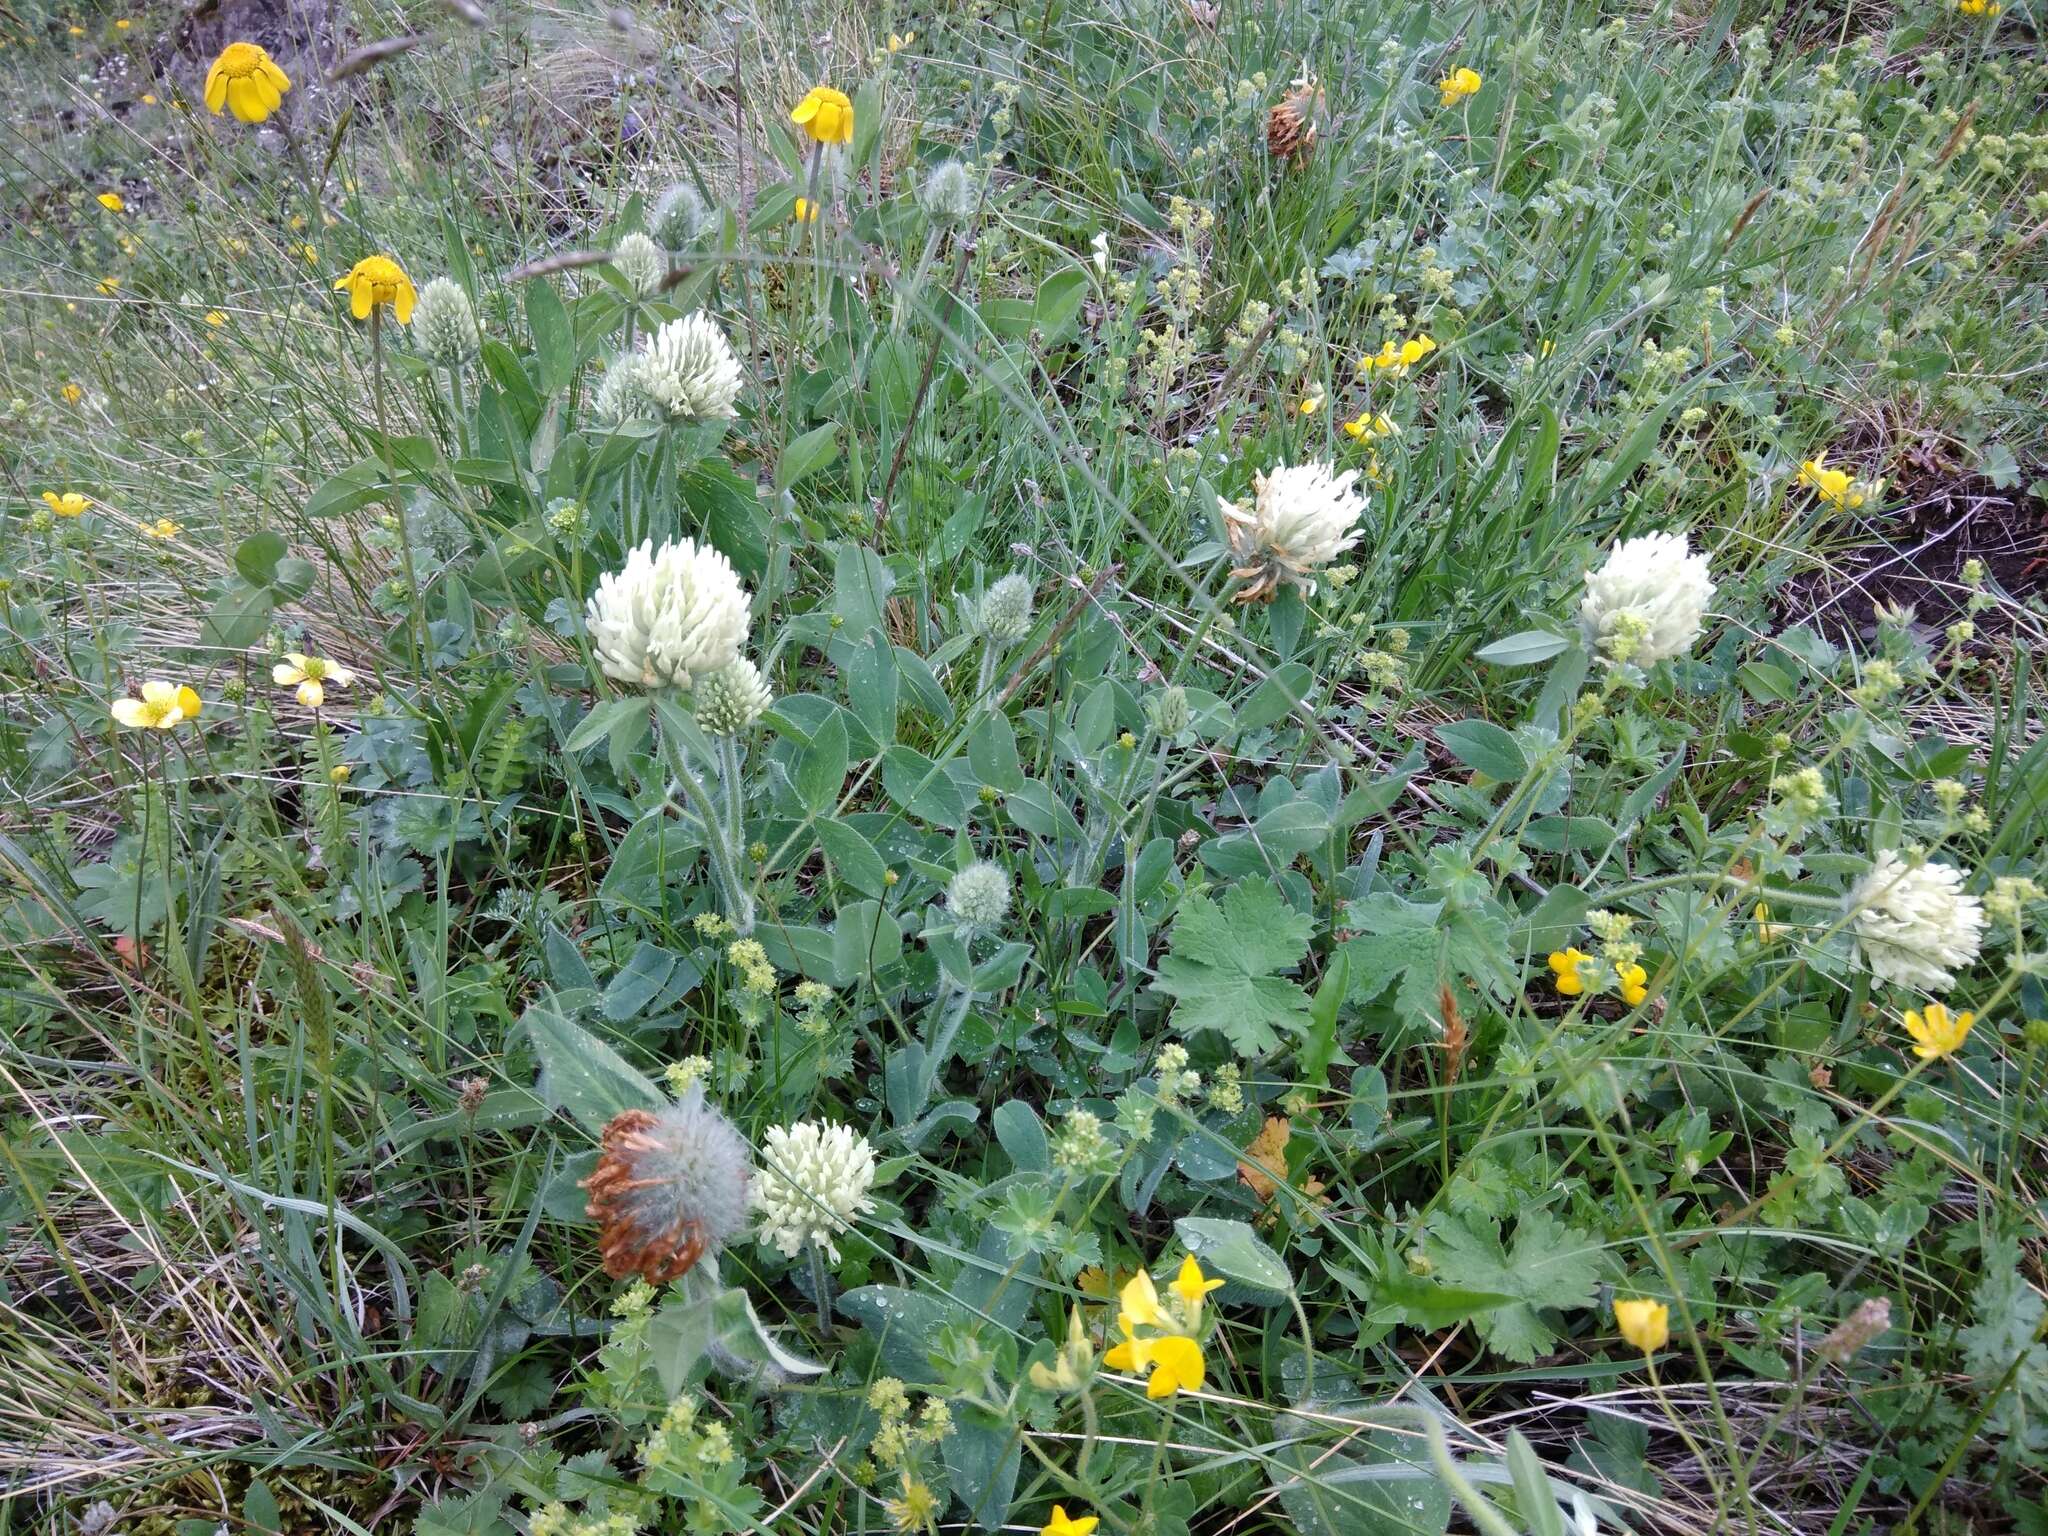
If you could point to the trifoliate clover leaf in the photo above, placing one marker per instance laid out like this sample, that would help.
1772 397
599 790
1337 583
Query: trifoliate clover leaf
1223 967
1549 1266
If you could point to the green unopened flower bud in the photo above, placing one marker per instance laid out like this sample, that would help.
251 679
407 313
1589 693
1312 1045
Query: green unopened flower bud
1169 711
681 217
444 323
1005 611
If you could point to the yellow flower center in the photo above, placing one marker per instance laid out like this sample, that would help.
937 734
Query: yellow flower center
238 61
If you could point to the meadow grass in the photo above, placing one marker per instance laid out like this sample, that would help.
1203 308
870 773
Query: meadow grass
1435 966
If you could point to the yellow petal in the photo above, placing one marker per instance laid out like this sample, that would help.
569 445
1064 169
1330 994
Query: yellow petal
216 89
402 301
157 691
189 703
311 694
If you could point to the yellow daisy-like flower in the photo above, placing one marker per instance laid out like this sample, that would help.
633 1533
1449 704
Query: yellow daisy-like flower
160 707
310 676
1564 965
826 115
1064 1524
246 81
375 281
72 394
111 201
1459 84
1634 983
162 528
1645 1324
67 504
1369 427
1397 358
806 211
1936 1032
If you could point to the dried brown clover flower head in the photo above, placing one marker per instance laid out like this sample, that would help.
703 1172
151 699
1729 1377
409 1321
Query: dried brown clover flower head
1291 125
668 1188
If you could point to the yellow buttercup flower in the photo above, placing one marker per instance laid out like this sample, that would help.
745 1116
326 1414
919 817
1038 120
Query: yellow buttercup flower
1645 1324
1064 1524
806 211
1634 984
160 707
310 675
1564 965
826 115
111 201
72 394
377 281
1396 358
162 528
246 81
1459 84
1936 1032
68 504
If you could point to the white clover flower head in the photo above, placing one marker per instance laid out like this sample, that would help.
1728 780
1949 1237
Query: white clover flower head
642 263
1005 611
688 369
620 397
1302 517
1648 601
730 700
814 1184
978 898
1915 923
444 323
669 617
681 217
670 1186
948 193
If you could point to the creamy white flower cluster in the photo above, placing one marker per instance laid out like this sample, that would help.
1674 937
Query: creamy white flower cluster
1916 924
671 617
1648 601
813 1184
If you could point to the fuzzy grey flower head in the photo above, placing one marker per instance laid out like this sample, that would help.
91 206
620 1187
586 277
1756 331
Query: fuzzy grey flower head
688 369
444 323
978 898
1169 711
642 263
731 699
681 217
670 1186
1005 611
949 193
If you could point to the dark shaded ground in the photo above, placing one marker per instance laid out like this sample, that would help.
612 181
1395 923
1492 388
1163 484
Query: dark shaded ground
1915 559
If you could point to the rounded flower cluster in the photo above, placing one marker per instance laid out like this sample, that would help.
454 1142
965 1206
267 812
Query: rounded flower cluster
444 323
814 1183
1302 518
1005 612
688 369
681 217
670 617
731 699
1915 923
668 1188
948 194
1648 601
978 897
642 263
